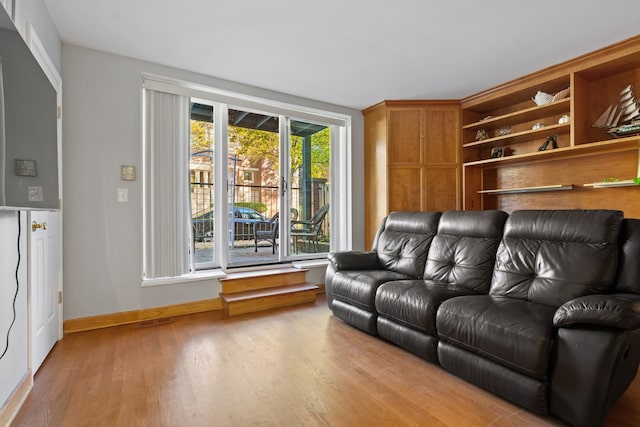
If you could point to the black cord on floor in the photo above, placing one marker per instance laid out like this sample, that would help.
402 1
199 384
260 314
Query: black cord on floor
15 296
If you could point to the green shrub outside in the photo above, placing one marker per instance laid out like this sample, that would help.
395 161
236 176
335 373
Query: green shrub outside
256 206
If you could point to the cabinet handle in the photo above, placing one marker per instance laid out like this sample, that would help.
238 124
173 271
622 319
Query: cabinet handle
35 226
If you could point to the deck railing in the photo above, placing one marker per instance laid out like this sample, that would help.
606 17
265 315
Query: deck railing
263 199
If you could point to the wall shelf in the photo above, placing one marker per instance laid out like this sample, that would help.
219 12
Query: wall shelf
537 112
517 136
585 154
608 146
536 189
602 184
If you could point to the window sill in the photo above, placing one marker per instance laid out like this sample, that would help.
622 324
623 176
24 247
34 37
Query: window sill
314 263
187 278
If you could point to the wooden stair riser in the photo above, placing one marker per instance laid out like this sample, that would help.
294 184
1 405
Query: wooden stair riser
264 281
261 303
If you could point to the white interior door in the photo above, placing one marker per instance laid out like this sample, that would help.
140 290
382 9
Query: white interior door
44 268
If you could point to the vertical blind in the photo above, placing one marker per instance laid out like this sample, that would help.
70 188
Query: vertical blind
167 210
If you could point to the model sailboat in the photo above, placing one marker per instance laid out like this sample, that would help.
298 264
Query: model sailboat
622 119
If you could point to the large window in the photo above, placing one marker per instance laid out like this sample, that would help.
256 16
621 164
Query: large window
260 180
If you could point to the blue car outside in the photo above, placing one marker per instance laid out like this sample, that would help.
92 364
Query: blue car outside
241 222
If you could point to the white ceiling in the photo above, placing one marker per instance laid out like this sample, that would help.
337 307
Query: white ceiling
353 53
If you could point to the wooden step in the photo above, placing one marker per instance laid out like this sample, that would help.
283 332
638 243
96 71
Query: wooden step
264 299
254 280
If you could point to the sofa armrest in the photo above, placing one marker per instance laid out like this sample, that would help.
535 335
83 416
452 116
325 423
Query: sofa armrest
616 310
354 260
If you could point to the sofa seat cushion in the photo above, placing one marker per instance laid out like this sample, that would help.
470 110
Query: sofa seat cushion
358 287
515 333
414 303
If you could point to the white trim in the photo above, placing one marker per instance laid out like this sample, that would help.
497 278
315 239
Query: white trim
220 176
40 53
9 6
193 90
316 263
187 278
284 251
341 172
49 69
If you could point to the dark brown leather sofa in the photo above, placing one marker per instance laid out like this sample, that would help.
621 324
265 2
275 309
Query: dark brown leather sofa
539 307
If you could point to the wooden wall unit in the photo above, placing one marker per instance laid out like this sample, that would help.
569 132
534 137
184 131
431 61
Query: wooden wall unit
412 159
572 175
415 150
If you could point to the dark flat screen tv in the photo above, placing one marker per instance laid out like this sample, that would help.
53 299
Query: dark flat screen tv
28 126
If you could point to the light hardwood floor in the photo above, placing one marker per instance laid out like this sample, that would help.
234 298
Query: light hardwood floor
296 366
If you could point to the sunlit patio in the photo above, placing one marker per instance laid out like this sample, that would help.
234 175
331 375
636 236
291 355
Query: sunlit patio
259 187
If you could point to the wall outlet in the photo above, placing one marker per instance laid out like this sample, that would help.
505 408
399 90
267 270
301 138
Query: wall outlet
35 194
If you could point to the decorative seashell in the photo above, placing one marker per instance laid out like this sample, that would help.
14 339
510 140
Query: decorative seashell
562 94
542 98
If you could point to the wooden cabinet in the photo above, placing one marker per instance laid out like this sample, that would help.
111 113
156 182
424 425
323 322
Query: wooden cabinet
571 175
412 159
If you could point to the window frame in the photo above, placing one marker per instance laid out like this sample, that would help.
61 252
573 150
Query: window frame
340 168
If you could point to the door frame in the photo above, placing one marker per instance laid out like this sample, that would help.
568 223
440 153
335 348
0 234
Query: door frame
44 60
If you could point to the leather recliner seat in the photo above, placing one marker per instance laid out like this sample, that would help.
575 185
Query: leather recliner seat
459 262
399 252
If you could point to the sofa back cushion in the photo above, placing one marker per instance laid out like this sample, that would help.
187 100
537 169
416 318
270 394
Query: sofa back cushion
463 252
403 240
628 280
553 256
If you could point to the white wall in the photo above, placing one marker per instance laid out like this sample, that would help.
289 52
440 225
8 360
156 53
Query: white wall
14 365
101 131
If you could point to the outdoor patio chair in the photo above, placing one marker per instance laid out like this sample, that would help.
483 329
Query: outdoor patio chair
309 230
268 230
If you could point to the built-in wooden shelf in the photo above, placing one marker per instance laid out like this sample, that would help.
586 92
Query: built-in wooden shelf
602 184
536 189
585 153
537 112
518 136
607 146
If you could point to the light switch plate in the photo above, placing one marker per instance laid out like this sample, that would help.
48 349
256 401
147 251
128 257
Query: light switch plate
123 195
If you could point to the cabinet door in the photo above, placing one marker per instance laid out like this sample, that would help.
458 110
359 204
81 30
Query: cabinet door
405 190
44 265
404 136
441 134
441 188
